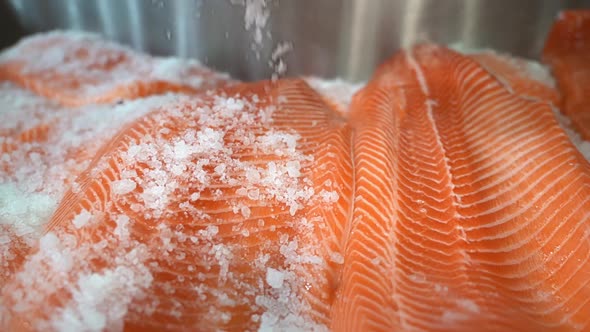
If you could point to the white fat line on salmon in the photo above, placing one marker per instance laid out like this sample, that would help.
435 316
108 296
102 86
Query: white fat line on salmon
517 199
350 220
509 156
429 104
429 112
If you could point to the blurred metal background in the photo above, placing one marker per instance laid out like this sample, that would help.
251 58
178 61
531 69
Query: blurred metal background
329 38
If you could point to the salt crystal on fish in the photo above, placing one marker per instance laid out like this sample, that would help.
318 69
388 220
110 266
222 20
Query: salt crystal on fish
124 186
81 219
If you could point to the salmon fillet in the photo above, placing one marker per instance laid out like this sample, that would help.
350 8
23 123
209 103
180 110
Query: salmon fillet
77 69
567 51
219 212
471 206
524 77
45 146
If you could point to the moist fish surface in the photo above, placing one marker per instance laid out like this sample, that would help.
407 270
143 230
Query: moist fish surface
471 205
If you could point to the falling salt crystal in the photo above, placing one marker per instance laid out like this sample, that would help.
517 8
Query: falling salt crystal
256 15
123 187
277 63
280 68
281 49
274 277
81 219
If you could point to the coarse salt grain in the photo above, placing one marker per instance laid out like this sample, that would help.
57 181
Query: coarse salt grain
274 277
81 219
123 186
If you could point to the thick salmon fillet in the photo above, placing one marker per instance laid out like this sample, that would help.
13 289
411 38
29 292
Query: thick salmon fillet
76 69
471 206
44 147
222 212
567 51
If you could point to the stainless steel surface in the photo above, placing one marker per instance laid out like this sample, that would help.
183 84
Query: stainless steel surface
330 38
